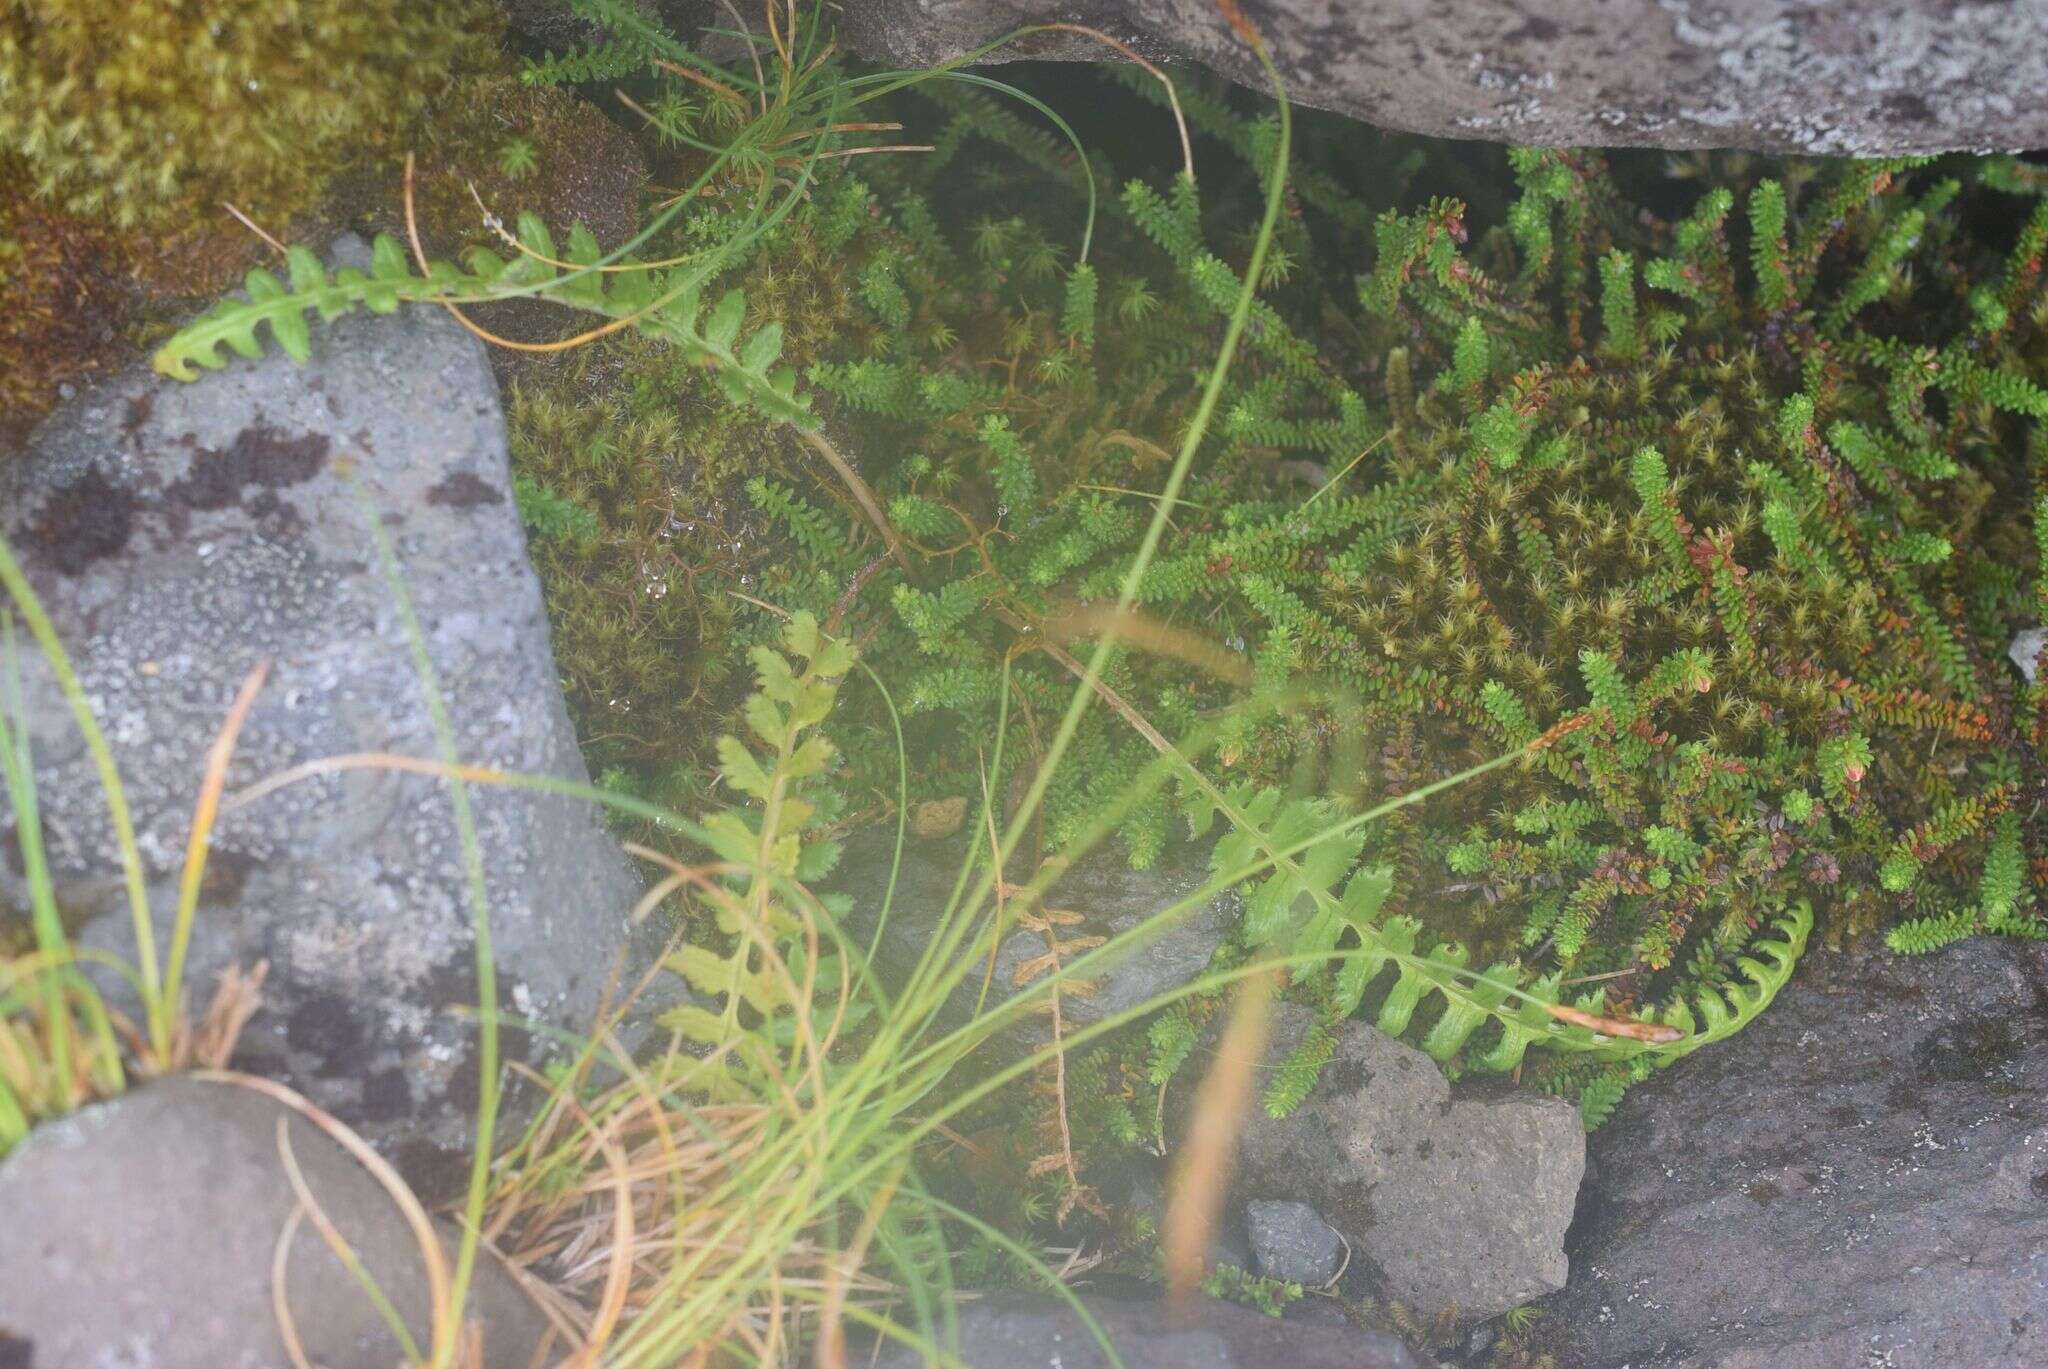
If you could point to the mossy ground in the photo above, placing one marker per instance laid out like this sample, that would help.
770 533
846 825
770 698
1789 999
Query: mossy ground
86 285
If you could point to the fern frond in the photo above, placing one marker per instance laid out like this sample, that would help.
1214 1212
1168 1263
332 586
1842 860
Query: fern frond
660 304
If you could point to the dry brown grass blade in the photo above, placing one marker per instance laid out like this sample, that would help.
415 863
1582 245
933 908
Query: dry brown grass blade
861 151
419 256
497 228
718 88
205 812
254 227
1234 15
1147 633
363 760
863 496
1144 449
309 1205
1203 1165
1103 690
775 34
280 1301
872 127
408 1206
236 998
760 76
755 930
1187 147
1654 1032
611 1306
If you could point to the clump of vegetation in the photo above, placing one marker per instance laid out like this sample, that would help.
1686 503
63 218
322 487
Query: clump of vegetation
135 115
1709 508
1739 489
1714 499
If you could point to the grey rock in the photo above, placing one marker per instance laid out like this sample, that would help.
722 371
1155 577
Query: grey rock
1015 1332
180 535
1450 1200
2025 651
1291 1241
1113 899
1855 79
140 1234
1859 1178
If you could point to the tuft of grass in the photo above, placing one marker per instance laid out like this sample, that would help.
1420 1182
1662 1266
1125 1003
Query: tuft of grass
61 1046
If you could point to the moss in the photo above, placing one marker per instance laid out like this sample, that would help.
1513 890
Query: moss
633 478
151 114
585 168
66 305
631 469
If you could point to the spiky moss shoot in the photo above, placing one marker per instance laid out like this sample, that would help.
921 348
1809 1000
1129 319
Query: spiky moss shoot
152 114
1737 661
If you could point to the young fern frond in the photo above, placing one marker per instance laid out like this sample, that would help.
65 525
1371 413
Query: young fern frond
771 926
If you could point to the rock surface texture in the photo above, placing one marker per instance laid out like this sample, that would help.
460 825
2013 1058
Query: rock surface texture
1111 897
1008 1332
1860 1178
2025 651
1813 76
1292 1242
140 1235
180 535
1450 1201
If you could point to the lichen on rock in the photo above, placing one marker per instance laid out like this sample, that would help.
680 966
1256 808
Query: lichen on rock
182 535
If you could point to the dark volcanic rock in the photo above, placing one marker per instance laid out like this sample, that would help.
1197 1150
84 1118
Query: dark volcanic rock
179 535
1450 1200
1860 78
1860 1178
1291 1241
139 1234
1010 1332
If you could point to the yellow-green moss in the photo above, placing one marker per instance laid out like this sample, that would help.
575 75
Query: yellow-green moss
140 113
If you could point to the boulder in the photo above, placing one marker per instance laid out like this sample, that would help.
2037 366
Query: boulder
1111 897
182 534
1010 1331
1863 78
2024 651
1450 1200
141 1232
1861 1177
